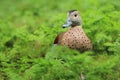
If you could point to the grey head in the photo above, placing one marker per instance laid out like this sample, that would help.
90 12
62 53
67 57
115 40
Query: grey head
74 19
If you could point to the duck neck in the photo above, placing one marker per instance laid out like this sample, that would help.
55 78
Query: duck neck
76 24
73 27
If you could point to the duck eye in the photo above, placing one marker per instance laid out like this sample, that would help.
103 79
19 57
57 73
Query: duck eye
75 15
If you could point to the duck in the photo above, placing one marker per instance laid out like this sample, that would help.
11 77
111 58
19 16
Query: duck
74 37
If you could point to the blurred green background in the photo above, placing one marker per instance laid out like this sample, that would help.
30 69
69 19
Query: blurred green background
28 29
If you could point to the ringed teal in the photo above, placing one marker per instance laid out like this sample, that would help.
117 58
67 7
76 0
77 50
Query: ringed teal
75 37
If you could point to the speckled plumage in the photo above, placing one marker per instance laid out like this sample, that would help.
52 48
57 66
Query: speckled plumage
75 37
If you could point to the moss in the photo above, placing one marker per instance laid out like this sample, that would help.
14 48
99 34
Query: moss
28 29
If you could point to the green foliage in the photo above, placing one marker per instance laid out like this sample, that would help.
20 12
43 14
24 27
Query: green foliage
28 29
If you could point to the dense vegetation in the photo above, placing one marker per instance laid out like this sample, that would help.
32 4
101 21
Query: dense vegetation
28 29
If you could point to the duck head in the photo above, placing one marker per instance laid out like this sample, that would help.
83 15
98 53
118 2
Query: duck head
74 19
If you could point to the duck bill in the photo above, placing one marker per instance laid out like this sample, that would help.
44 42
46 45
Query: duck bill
68 23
